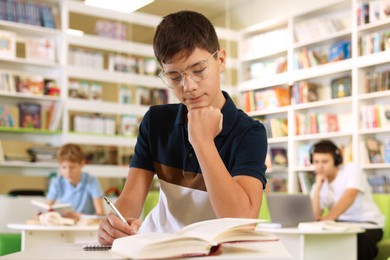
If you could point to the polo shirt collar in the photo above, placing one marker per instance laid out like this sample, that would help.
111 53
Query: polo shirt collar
229 112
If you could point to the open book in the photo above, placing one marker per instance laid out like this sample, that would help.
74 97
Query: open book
330 225
198 239
61 208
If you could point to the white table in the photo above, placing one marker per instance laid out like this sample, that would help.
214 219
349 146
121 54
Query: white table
319 245
43 236
260 251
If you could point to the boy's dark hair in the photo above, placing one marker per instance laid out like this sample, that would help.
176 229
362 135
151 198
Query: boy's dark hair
70 152
182 32
327 146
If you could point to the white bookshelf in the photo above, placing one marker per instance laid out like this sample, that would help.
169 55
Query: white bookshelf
141 28
352 134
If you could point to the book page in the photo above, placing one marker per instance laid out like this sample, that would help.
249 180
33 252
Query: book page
209 230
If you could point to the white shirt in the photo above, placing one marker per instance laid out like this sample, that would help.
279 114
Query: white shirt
363 209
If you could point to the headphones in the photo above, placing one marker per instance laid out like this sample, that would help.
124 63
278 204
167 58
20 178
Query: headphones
325 146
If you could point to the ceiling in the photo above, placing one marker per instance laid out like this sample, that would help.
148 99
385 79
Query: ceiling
234 14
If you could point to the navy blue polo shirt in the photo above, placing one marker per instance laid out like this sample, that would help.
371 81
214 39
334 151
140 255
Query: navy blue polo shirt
163 147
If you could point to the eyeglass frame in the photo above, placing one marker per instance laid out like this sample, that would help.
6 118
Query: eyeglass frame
206 61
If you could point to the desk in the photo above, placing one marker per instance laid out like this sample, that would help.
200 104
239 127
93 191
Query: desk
319 245
38 235
260 251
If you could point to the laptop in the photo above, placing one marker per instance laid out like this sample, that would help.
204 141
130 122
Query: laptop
290 209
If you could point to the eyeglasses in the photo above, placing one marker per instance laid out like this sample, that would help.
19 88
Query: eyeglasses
197 72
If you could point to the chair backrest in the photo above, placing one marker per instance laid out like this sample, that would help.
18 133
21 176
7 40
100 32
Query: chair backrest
150 202
264 211
383 202
16 209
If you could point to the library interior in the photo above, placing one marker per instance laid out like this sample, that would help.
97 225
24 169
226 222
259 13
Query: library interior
308 70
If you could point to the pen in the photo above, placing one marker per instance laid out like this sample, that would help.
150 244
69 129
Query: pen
116 211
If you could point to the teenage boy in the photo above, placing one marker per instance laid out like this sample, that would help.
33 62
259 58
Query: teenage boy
208 155
73 186
345 192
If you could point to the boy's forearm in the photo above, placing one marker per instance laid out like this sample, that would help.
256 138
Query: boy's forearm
227 196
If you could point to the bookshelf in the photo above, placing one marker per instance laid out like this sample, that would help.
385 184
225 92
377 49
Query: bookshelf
106 81
31 75
334 64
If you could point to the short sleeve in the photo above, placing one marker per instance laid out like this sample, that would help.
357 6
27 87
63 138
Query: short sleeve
142 154
94 187
355 177
53 192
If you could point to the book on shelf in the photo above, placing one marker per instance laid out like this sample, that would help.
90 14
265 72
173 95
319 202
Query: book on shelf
379 183
7 115
30 84
277 184
129 125
2 155
197 239
111 29
49 15
29 115
41 49
95 91
330 225
375 150
303 155
125 95
341 87
7 44
277 96
386 145
304 92
377 80
279 156
43 153
384 115
61 208
306 180
339 50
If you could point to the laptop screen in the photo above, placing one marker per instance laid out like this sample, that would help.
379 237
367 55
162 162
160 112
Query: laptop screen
290 209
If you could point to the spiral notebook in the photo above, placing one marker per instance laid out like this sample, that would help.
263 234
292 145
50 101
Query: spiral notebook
96 247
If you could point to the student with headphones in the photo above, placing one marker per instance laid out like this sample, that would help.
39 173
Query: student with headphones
345 192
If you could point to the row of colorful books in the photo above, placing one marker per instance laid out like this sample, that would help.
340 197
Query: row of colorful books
372 11
375 116
104 124
275 127
379 183
36 13
28 84
278 96
85 90
86 58
35 48
266 68
315 123
374 42
311 57
31 115
377 81
133 64
314 28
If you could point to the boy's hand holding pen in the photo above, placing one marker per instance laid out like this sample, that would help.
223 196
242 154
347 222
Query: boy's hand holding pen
119 215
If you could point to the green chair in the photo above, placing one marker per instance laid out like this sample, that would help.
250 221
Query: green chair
264 212
10 243
383 202
150 202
